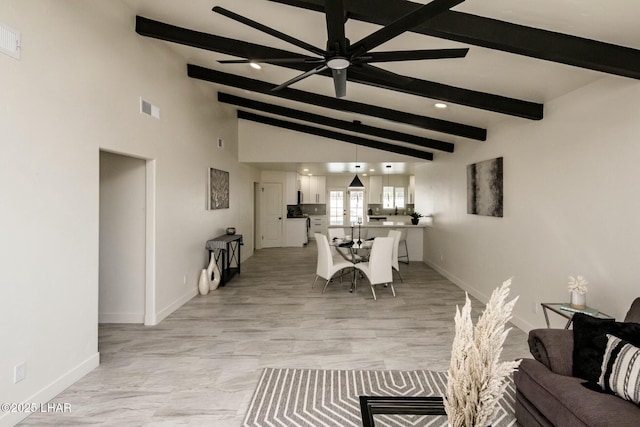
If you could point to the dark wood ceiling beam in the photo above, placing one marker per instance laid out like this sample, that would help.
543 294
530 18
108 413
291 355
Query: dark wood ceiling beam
425 155
490 102
335 123
213 76
498 35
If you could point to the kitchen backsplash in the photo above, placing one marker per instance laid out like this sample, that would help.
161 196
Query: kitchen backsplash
377 209
309 209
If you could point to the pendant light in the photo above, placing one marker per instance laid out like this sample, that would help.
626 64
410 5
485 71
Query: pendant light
356 184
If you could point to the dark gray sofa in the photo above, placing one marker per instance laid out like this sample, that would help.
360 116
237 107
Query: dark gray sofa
548 395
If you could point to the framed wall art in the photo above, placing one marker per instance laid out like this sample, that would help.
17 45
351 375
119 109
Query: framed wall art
485 188
218 189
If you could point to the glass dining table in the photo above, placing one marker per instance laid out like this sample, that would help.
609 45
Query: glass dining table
353 252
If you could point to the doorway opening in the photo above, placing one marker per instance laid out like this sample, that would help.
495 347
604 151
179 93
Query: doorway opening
126 252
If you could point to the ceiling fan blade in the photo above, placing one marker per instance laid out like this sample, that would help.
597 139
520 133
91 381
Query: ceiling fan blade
411 55
340 82
379 75
335 17
402 25
275 33
316 70
308 60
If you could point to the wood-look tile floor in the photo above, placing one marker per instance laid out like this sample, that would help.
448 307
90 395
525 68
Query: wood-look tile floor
199 367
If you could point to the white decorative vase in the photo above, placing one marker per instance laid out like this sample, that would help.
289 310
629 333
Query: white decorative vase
578 300
203 283
213 269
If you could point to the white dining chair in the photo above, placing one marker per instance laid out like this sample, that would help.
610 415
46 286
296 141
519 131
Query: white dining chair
403 241
378 269
327 265
395 235
336 233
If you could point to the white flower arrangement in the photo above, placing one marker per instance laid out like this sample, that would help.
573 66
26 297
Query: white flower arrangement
578 284
477 379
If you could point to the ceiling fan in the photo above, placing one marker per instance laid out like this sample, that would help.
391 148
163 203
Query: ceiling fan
340 54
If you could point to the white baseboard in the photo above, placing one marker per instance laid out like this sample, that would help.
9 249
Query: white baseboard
137 318
52 390
516 320
165 312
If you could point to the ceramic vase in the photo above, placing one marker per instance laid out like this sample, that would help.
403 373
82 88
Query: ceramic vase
203 283
578 300
212 270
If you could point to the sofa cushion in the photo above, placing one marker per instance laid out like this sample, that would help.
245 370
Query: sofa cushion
564 402
621 369
590 341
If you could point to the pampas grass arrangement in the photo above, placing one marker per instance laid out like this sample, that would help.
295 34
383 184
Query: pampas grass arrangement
477 378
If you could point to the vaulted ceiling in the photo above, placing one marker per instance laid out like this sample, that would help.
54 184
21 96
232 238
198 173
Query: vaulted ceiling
521 55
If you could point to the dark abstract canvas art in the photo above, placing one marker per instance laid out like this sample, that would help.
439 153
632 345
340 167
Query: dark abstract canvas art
218 189
484 188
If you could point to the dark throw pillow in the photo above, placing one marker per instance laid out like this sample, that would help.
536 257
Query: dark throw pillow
590 341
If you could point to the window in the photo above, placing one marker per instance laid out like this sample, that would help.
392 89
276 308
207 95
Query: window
387 197
393 197
356 206
336 207
399 197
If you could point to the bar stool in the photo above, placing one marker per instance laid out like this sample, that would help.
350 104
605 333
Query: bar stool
403 240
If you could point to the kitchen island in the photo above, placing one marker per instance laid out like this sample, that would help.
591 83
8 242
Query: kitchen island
415 234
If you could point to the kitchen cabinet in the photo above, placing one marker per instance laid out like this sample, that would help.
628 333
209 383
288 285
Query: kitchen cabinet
318 225
375 189
313 189
291 188
412 190
296 229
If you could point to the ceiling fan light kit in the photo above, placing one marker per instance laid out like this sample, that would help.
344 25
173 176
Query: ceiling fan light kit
340 55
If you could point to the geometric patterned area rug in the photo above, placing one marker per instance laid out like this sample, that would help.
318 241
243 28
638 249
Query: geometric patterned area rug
315 398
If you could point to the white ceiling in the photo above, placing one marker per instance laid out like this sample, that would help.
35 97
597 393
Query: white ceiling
485 70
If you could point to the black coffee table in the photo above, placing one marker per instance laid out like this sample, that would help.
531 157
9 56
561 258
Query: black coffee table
388 405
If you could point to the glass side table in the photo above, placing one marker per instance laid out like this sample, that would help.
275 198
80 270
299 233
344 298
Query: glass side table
556 307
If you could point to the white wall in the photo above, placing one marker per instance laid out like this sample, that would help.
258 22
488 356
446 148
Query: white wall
76 90
121 297
571 202
264 143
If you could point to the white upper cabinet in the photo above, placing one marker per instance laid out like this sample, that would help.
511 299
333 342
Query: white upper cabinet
313 189
291 188
412 189
375 189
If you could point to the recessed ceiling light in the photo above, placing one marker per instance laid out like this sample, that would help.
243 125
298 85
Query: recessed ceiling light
364 174
372 170
305 170
255 65
440 105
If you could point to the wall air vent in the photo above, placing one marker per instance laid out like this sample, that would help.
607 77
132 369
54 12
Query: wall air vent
220 143
149 109
9 41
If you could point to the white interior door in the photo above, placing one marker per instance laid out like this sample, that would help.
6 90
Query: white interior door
271 208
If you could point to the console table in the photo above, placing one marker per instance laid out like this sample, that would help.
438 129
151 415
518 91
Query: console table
226 250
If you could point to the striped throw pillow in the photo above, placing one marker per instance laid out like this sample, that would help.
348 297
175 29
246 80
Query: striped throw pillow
621 369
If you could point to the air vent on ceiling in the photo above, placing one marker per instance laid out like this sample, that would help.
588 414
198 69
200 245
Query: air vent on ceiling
149 109
9 41
220 143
